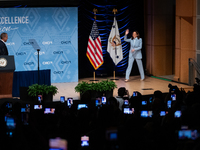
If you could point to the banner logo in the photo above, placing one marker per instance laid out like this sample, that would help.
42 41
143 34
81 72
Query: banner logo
65 62
47 42
20 53
28 43
40 53
47 62
29 63
58 52
65 42
10 43
58 72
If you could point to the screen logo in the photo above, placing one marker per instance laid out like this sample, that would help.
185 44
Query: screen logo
29 63
58 52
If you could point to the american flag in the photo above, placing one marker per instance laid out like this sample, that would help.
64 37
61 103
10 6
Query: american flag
94 49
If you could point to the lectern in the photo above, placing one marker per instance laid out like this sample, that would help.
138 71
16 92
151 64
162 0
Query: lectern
7 67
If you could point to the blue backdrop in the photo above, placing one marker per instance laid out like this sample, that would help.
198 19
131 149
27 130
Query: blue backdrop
54 29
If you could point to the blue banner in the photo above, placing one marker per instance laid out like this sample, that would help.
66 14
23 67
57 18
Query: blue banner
55 29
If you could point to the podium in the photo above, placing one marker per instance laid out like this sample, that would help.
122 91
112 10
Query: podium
7 67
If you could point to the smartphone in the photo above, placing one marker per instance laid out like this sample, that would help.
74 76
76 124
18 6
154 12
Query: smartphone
146 113
9 105
10 125
49 111
98 101
134 94
37 106
62 99
126 102
169 104
40 98
163 113
177 114
103 100
27 110
69 101
128 111
173 97
188 134
150 100
57 144
112 135
84 141
144 102
82 106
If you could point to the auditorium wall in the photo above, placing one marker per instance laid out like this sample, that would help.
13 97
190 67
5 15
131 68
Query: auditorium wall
171 37
185 37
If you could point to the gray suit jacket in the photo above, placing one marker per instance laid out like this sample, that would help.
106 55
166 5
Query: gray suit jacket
137 46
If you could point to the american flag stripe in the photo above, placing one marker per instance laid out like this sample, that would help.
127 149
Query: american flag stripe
99 51
91 52
94 48
92 56
91 60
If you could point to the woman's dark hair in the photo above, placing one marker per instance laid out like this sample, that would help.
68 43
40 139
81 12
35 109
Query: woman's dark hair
138 35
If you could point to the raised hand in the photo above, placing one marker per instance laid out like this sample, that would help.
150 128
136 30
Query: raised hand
127 31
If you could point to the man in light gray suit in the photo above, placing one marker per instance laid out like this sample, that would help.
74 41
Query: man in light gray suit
134 53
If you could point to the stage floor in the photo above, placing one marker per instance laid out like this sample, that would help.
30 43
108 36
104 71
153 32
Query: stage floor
148 86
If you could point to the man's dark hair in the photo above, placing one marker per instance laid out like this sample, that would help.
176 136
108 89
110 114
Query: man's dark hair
121 91
3 35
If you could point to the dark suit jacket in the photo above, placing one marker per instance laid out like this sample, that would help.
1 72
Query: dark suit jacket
3 48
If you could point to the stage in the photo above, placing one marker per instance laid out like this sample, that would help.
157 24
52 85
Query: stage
148 86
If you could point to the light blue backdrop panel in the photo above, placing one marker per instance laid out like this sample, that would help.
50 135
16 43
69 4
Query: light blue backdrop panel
55 29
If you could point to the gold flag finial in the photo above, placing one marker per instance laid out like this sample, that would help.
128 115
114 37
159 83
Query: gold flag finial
95 11
114 11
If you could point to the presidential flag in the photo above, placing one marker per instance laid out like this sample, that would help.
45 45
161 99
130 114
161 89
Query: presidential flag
114 46
94 48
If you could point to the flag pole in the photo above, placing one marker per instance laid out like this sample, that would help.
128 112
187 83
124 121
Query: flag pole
114 11
95 11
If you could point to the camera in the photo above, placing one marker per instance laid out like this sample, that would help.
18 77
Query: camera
112 135
134 94
37 106
163 113
103 100
84 141
144 102
98 102
128 110
57 144
62 99
9 105
146 113
10 125
49 111
126 102
173 97
26 109
169 104
82 106
177 114
188 134
150 100
69 101
40 98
